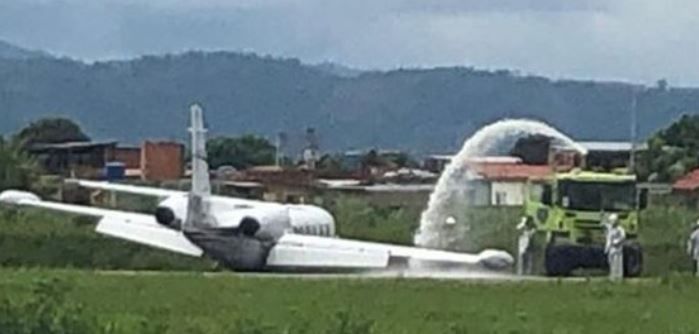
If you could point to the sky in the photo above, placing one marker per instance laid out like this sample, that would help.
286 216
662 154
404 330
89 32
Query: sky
626 40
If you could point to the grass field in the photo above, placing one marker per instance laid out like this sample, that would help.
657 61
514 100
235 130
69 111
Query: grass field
62 298
227 303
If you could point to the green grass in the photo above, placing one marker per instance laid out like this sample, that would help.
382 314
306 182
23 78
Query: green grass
226 303
38 238
84 301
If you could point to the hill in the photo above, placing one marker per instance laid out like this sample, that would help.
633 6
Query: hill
418 109
9 51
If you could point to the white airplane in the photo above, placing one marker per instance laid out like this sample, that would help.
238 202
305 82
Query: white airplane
248 235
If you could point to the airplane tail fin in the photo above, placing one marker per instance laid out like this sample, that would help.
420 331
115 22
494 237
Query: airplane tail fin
198 206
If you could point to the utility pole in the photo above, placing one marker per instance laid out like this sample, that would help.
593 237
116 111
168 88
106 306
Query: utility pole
632 154
279 143
310 154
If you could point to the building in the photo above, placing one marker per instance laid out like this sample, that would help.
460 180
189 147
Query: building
162 161
436 163
130 156
502 181
686 189
382 195
493 181
281 184
688 184
408 176
352 160
609 155
153 161
74 159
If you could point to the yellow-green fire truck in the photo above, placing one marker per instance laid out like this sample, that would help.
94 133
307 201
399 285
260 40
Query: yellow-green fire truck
569 211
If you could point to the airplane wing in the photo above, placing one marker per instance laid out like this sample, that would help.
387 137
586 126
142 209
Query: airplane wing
127 188
294 250
135 227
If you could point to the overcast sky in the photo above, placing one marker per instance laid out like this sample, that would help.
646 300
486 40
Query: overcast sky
629 40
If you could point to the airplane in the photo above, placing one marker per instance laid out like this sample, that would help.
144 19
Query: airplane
249 235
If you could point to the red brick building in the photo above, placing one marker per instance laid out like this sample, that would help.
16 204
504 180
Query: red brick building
162 161
129 156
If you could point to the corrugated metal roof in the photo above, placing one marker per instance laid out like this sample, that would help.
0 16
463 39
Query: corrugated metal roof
594 176
485 159
495 160
611 146
440 156
389 187
399 188
511 172
339 183
73 145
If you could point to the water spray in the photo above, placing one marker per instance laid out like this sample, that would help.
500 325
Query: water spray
444 224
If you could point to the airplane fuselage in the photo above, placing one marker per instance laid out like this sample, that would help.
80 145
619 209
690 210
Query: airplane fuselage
239 233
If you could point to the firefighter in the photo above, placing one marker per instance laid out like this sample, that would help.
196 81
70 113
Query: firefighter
614 247
693 247
525 256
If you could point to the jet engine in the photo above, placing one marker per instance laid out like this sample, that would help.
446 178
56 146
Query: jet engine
166 217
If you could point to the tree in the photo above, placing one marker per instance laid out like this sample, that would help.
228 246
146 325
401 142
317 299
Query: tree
672 152
331 164
390 159
401 159
17 169
50 131
240 152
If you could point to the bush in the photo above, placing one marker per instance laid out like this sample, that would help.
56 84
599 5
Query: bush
37 238
46 311
356 218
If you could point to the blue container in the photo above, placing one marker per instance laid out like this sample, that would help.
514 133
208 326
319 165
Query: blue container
114 171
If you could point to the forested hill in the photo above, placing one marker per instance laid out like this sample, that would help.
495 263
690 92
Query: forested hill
422 109
9 51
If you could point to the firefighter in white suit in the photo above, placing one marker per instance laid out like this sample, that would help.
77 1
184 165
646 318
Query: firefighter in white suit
614 247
